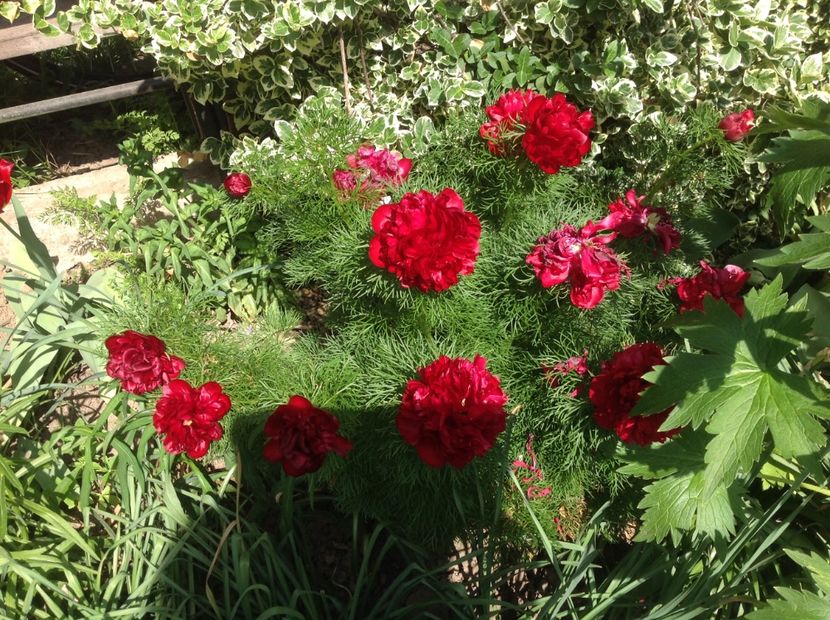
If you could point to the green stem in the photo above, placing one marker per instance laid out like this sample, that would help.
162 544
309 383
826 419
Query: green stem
804 485
425 327
665 178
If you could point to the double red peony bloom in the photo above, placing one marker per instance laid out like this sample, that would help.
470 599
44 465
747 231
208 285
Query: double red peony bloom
140 362
506 118
427 241
6 168
616 389
300 436
725 284
580 257
238 184
554 133
632 218
454 412
737 125
189 417
372 169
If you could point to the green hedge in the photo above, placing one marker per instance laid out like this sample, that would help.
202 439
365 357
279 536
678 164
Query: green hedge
624 58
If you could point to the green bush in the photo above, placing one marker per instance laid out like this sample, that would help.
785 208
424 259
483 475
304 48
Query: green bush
624 58
379 334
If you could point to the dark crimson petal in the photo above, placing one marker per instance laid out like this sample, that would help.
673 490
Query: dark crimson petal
616 389
299 436
140 362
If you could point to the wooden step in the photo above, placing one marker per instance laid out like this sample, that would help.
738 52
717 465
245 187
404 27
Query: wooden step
20 38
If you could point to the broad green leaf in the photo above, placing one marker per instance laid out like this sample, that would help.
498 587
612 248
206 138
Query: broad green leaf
706 383
802 149
811 251
731 60
660 59
659 460
473 89
739 431
424 128
30 245
9 10
443 38
736 387
795 605
654 5
811 68
677 501
542 13
818 566
764 81
524 66
804 156
781 120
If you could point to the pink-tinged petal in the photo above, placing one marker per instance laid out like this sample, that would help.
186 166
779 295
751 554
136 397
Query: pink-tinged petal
238 184
198 449
453 412
139 362
737 125
723 284
375 252
344 180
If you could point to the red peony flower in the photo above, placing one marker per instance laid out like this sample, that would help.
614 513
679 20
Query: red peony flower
140 362
735 126
632 218
189 417
238 184
723 284
580 257
453 412
426 241
556 133
616 389
372 169
344 180
6 168
577 364
299 435
505 115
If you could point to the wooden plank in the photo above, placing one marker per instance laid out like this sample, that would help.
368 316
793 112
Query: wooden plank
79 100
26 18
22 40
